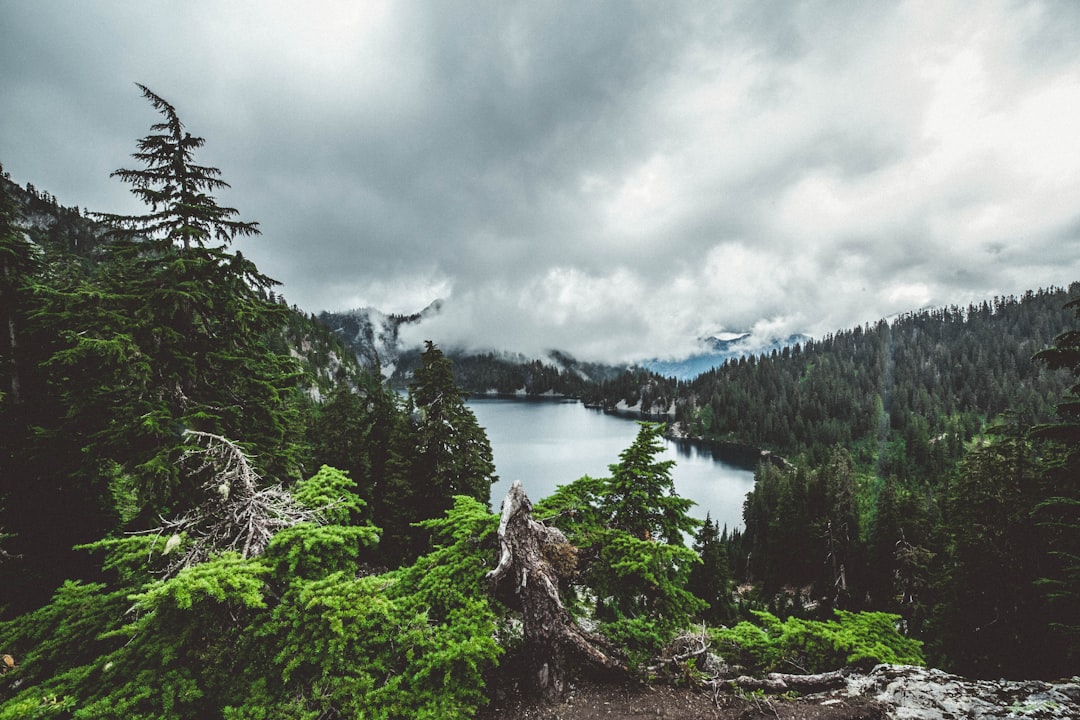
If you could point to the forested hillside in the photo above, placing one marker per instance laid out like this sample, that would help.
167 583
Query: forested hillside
919 475
903 396
209 510
511 374
374 337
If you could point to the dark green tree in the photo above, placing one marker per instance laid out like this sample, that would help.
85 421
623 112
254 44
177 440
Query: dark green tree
169 332
1058 512
640 498
437 451
193 320
351 430
989 620
711 579
629 530
182 213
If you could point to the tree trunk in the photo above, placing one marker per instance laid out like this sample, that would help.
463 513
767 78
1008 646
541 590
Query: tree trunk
552 636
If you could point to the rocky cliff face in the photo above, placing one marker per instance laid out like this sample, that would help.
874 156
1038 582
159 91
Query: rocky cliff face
373 335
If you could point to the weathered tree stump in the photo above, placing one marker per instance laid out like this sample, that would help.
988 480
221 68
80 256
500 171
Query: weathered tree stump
552 636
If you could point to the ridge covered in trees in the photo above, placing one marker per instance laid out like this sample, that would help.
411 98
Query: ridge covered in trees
902 395
210 510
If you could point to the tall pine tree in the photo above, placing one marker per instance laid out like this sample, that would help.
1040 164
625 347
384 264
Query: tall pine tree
437 451
169 333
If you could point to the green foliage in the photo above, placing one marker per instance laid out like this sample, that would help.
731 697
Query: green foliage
331 492
710 580
799 645
1057 514
226 578
629 529
640 498
68 632
292 633
311 550
813 510
351 430
903 396
437 451
176 189
425 632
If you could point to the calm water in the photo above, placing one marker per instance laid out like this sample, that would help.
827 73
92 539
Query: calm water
549 443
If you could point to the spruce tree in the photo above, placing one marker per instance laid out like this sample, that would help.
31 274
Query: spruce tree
171 333
437 451
711 579
1058 512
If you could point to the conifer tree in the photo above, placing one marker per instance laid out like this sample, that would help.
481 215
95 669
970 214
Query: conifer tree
711 579
641 497
629 530
438 451
352 430
171 334
1058 512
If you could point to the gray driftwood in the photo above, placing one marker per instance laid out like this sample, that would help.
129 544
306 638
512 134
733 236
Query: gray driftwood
552 636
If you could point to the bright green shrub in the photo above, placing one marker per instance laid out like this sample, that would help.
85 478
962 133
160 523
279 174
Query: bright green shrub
800 645
413 643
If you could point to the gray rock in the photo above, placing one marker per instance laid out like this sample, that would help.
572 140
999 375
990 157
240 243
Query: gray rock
917 693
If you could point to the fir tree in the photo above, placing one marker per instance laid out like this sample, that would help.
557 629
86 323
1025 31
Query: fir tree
169 333
711 579
437 451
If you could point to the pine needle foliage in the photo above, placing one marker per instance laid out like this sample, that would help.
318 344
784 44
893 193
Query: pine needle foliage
299 631
629 530
812 646
177 190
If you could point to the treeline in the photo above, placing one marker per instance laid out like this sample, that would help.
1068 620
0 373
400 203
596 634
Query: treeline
501 374
929 472
947 493
902 396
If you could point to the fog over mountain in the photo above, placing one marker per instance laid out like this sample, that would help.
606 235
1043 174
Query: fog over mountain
614 180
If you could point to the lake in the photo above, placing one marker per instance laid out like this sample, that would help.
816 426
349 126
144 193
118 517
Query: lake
544 443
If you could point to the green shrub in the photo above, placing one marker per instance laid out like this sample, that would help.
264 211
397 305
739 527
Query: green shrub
812 646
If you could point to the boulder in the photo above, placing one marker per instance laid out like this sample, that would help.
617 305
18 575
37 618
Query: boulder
918 693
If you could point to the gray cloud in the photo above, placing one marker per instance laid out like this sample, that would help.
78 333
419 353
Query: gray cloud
613 179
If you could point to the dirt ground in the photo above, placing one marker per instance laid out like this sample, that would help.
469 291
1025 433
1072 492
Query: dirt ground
598 701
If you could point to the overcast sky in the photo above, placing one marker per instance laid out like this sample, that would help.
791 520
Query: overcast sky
612 179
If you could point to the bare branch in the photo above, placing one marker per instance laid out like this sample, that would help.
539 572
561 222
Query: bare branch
235 514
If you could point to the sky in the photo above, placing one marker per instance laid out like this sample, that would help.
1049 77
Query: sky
612 179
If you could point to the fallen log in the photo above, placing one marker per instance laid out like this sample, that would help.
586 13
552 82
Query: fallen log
551 634
782 682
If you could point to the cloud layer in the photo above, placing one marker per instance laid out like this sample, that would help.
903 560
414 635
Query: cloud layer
612 179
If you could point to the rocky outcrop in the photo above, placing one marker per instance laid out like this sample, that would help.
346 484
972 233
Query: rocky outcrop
917 693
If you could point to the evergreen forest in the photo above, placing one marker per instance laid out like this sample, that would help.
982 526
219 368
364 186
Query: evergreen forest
209 509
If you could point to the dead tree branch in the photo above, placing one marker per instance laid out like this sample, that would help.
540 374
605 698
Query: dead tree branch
235 514
782 682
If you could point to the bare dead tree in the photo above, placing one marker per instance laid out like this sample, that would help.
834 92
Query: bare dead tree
235 513
526 573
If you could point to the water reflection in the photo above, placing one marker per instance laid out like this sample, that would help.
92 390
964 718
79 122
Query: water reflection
550 443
